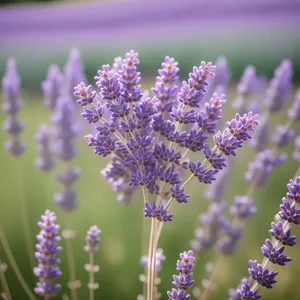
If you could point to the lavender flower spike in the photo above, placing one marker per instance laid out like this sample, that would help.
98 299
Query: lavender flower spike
52 86
294 111
273 250
185 278
46 160
11 84
46 255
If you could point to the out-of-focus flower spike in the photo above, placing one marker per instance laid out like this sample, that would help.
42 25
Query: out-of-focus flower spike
73 72
52 86
280 86
245 89
11 85
294 111
45 148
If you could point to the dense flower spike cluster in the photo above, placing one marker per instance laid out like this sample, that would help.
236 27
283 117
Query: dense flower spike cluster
11 84
65 133
52 86
46 255
148 139
185 278
46 160
273 250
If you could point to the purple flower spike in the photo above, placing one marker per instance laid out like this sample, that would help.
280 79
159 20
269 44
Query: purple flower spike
280 86
296 154
185 278
282 136
276 256
192 92
177 295
289 212
282 235
243 207
52 86
216 160
294 111
86 94
294 189
160 213
243 291
265 277
11 85
178 194
92 239
46 160
46 255
165 90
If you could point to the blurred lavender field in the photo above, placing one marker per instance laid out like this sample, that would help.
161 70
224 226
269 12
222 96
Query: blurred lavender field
257 32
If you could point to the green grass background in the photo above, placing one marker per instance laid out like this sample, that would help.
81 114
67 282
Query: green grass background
122 229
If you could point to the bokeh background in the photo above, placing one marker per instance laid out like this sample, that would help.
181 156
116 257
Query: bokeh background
255 32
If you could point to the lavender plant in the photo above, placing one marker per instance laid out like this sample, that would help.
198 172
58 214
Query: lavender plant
149 139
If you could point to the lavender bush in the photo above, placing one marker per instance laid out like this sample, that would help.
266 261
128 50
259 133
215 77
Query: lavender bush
157 143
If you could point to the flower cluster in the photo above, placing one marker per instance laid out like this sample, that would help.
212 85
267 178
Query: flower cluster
148 139
46 255
273 250
185 278
11 84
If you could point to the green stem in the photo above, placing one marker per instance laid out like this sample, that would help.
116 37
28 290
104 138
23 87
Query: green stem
25 216
212 280
72 268
13 264
92 276
151 258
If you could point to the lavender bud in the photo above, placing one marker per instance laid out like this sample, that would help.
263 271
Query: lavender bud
92 239
46 255
243 207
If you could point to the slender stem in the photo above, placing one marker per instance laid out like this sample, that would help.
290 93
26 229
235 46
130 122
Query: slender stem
151 256
72 268
4 283
46 297
91 276
212 280
25 217
13 263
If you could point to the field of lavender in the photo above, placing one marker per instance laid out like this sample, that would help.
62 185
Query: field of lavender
37 177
